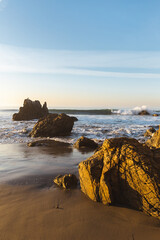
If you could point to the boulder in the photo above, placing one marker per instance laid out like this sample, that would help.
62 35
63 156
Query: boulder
144 112
53 125
155 140
149 132
155 115
84 142
123 172
30 110
67 181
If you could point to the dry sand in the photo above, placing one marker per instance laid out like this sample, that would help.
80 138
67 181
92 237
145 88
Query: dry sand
29 213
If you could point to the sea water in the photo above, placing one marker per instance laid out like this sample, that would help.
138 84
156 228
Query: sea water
118 123
35 165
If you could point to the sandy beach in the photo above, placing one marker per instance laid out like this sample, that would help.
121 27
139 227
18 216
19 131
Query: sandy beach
33 213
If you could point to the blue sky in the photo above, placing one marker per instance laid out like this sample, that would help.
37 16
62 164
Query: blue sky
80 53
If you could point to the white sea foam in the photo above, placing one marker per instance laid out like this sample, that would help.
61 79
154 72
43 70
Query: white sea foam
133 111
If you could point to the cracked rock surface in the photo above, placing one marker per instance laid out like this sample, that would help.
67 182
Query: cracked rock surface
155 140
123 172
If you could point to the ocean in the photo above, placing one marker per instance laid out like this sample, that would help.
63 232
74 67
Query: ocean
39 165
95 124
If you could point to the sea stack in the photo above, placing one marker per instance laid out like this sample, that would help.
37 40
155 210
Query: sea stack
31 110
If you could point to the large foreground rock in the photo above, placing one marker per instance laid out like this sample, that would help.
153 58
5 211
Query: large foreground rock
155 140
31 110
123 172
53 125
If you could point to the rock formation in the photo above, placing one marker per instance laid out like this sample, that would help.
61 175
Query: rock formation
84 142
149 132
125 172
31 110
67 181
144 112
155 140
53 125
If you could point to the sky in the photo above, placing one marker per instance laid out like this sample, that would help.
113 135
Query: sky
80 54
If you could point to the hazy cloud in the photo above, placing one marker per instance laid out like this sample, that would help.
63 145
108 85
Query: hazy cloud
89 63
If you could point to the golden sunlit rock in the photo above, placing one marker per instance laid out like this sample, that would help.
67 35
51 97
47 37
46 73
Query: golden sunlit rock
125 172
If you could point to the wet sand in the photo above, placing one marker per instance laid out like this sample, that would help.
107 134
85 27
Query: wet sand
32 208
29 213
18 161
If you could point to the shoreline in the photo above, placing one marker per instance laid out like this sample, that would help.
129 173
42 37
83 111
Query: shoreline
20 162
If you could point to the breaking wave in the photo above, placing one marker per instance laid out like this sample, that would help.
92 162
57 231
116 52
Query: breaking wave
134 111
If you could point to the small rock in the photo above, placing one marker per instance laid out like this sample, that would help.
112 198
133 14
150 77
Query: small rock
25 131
67 181
144 112
155 115
84 142
149 132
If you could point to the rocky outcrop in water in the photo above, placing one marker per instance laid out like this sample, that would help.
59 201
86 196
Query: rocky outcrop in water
67 181
149 132
144 112
84 142
125 172
53 125
155 140
31 110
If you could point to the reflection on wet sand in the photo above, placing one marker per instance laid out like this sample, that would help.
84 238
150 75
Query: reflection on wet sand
19 160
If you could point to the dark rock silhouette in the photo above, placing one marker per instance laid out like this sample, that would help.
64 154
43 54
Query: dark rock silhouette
31 110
